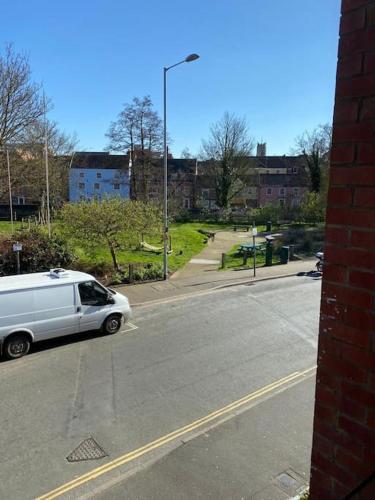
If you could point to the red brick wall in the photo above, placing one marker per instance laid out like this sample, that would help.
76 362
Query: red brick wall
343 452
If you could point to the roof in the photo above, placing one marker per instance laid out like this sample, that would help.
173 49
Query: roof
285 180
38 280
99 160
272 162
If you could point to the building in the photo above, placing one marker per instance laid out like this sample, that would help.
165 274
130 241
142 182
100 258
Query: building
98 175
280 180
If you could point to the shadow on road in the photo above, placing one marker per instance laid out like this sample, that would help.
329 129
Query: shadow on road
55 343
316 275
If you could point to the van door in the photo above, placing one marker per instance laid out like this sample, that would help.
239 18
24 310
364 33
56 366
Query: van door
55 312
94 306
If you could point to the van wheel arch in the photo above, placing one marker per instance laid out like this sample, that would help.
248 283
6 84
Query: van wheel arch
17 344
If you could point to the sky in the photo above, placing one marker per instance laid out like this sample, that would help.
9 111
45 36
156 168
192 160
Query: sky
270 61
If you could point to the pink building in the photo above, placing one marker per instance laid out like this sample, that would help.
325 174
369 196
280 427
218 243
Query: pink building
282 189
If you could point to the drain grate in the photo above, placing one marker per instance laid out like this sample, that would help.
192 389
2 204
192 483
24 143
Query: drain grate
290 482
89 449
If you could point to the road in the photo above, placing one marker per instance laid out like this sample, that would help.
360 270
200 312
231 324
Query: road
184 360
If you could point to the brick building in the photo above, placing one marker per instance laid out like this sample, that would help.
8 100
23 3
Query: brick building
343 454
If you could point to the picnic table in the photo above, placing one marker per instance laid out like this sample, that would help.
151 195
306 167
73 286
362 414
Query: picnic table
249 248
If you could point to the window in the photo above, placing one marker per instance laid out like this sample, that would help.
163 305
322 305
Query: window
96 185
206 194
92 294
82 174
295 170
269 191
116 185
282 202
98 175
282 191
296 191
81 185
186 202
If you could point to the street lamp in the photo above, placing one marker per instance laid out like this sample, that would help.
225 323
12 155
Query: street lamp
5 150
189 58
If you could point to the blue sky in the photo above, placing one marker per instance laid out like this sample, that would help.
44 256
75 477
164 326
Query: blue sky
272 61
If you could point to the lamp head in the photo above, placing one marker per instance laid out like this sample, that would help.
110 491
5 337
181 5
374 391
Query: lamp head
191 57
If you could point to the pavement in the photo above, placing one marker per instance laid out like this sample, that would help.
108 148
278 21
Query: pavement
209 259
208 280
210 396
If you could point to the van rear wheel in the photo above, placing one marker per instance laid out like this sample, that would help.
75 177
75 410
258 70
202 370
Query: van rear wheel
17 346
112 324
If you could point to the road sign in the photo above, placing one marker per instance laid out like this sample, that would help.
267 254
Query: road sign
255 231
17 247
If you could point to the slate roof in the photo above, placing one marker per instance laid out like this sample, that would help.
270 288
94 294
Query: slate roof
99 160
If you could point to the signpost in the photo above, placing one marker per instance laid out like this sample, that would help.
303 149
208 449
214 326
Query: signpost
17 248
255 232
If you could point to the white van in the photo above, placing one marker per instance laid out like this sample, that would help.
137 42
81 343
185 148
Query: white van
46 305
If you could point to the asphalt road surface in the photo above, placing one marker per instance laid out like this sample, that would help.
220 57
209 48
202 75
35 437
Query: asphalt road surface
182 361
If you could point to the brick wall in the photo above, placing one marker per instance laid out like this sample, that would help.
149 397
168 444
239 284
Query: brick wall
343 452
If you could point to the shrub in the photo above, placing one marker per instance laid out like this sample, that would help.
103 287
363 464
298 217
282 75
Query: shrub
39 253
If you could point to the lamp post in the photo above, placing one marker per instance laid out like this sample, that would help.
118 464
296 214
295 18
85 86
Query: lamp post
5 150
189 58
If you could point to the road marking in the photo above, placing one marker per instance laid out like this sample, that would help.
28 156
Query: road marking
132 455
129 327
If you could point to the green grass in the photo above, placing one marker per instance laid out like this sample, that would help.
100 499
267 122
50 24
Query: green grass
234 260
6 227
186 242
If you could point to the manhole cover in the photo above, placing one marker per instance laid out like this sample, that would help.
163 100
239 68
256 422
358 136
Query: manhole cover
89 449
289 481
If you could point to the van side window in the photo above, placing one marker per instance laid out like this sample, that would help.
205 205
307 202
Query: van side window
92 294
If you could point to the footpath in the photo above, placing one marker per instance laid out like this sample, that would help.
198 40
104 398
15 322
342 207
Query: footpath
210 280
201 273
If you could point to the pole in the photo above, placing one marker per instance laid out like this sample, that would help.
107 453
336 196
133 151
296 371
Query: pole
10 192
254 252
47 169
165 235
18 263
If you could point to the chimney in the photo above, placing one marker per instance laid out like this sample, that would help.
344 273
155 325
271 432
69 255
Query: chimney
261 148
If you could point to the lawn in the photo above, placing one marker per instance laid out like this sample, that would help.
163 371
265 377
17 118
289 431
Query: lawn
186 242
6 227
234 260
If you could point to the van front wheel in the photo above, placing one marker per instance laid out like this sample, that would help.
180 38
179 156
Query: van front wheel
112 324
17 346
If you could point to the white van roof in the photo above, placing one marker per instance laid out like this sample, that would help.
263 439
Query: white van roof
35 280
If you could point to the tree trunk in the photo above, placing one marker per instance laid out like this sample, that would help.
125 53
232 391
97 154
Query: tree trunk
113 255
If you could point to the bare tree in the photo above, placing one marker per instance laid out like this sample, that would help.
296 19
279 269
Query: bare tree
28 174
138 131
21 103
227 154
60 149
315 146
185 153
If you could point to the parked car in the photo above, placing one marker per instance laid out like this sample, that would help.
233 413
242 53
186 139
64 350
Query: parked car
42 306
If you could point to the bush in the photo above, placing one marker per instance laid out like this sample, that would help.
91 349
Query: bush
39 253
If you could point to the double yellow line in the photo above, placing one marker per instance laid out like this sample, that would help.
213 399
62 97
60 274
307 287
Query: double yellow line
128 457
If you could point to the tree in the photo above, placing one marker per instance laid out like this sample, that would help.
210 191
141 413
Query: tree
21 103
315 146
227 154
60 150
113 222
138 131
312 207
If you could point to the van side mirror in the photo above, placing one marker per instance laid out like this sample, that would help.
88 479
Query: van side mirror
110 299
